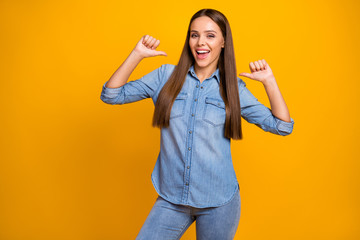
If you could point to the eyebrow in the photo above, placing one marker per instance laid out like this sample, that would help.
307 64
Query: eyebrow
204 31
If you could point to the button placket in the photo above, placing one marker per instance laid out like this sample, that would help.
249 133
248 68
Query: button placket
190 142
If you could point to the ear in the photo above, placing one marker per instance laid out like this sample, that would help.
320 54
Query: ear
223 45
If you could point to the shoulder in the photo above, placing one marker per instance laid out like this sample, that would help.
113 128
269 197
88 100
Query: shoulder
243 91
168 67
166 70
241 83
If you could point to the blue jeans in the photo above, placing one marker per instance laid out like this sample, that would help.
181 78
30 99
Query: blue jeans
169 221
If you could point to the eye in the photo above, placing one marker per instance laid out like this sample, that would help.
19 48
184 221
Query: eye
193 35
211 36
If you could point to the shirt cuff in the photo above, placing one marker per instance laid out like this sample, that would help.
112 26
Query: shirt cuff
111 90
111 95
284 127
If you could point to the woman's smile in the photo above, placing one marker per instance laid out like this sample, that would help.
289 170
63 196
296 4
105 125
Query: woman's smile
202 53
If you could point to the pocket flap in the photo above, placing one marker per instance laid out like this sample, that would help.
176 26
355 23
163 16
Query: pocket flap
181 96
215 102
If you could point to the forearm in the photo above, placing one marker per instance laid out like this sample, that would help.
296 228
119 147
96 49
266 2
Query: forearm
122 74
277 102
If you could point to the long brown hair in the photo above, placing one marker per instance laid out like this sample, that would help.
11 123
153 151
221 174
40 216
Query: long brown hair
228 79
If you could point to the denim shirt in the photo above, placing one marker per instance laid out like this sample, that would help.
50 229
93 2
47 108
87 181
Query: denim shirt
194 166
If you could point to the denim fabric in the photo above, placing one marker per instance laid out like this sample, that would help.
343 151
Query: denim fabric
168 221
194 166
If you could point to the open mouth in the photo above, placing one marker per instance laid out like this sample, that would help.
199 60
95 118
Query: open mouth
202 54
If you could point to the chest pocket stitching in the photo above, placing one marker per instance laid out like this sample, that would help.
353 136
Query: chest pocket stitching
214 112
178 107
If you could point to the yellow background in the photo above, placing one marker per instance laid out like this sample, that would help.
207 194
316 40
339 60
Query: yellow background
73 167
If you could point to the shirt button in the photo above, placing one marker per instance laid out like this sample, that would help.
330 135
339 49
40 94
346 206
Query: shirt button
197 86
187 184
189 148
195 99
192 115
190 131
188 167
201 87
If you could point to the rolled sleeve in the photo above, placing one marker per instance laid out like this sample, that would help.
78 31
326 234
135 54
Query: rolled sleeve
111 95
136 90
255 112
284 128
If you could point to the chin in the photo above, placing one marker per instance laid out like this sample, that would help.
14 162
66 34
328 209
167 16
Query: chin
203 64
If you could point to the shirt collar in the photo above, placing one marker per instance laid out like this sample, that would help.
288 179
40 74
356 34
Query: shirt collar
215 74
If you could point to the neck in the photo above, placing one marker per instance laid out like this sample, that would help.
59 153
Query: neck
204 73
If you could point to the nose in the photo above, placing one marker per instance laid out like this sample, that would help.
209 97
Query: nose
201 41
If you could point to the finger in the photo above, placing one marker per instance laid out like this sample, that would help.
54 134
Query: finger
252 67
248 75
262 67
257 66
151 44
146 37
156 44
160 53
265 63
148 41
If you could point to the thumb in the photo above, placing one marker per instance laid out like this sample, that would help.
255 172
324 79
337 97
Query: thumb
248 75
158 53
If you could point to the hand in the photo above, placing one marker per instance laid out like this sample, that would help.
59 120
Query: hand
146 47
260 71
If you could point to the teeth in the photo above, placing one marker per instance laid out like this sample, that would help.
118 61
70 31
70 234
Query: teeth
203 51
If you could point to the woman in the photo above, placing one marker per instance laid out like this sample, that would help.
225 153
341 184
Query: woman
198 106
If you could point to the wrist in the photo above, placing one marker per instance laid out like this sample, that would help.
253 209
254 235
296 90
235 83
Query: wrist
269 82
137 55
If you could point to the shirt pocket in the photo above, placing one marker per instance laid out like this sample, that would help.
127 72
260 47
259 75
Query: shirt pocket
178 107
214 112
